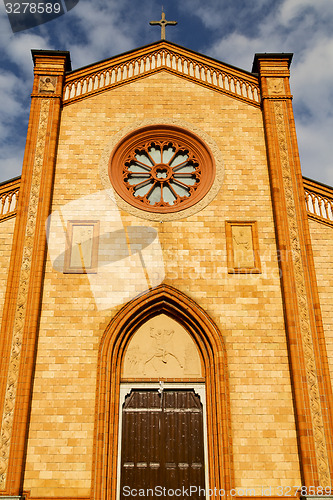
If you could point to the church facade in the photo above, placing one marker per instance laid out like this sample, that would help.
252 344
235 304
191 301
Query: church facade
166 286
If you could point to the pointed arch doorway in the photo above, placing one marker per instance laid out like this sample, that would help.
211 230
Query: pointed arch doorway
116 350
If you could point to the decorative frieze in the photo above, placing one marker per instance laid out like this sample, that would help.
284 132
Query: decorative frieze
216 76
8 199
319 202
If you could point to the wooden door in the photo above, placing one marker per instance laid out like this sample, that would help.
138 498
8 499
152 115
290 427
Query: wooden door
162 441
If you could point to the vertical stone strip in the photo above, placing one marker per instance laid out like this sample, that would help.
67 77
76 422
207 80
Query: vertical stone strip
19 329
308 358
22 296
303 305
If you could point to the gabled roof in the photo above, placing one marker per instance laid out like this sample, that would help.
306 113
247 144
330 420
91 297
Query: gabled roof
161 56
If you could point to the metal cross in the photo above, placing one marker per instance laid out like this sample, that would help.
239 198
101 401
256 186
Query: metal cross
163 23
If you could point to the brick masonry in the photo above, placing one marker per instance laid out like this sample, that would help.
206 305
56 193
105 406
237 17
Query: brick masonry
321 237
247 308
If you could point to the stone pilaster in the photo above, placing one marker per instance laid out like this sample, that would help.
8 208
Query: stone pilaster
308 360
22 302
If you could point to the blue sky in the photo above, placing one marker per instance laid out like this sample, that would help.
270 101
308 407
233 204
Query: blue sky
229 30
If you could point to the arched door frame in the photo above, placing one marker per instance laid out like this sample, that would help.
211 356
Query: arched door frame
160 300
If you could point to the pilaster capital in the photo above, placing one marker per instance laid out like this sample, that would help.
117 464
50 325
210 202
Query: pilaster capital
50 67
272 64
273 71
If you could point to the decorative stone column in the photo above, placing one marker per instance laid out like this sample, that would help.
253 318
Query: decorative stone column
305 336
23 295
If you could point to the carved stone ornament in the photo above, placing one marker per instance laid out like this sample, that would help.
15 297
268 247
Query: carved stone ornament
243 246
21 305
215 76
47 85
161 348
162 169
275 86
82 239
308 348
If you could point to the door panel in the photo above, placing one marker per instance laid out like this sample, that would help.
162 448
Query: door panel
162 440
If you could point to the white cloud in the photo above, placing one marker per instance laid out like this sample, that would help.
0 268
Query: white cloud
298 26
293 8
313 76
107 31
10 87
18 50
11 150
315 144
11 165
236 49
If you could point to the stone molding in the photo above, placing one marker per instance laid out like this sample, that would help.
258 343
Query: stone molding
9 193
319 201
21 314
163 56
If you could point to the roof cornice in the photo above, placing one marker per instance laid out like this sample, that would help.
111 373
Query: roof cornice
270 55
163 43
167 56
53 53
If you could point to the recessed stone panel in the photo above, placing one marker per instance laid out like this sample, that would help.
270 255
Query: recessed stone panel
162 348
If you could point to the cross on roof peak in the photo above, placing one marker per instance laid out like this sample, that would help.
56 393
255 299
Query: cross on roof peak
163 23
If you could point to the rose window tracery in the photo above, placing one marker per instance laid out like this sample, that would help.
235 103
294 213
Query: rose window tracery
161 169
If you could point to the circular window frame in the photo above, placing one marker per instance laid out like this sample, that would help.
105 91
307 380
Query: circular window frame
141 140
156 122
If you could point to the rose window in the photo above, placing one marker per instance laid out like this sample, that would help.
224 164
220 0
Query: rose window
161 169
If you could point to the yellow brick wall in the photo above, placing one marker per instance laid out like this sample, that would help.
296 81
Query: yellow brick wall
321 239
6 240
246 308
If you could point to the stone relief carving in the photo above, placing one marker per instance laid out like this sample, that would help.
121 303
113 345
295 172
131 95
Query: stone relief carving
163 352
161 348
275 86
47 84
242 246
20 313
311 374
82 246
